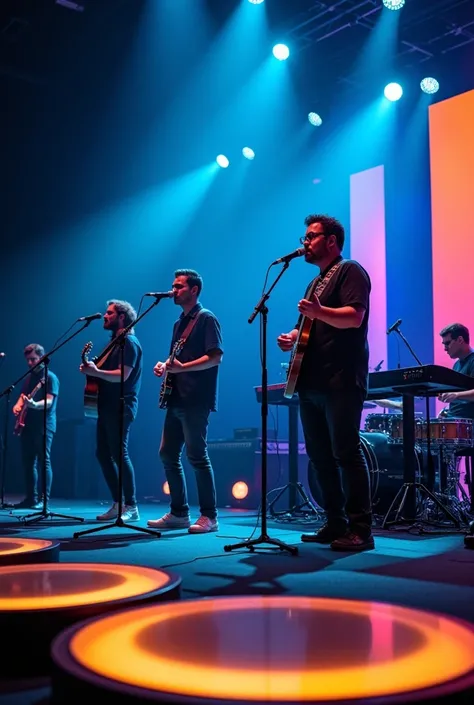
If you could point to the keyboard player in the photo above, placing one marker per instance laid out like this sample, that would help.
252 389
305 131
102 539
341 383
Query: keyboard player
455 339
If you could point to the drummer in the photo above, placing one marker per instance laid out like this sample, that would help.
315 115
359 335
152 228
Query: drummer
455 339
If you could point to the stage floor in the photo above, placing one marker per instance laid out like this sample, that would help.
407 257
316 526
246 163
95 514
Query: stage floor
432 572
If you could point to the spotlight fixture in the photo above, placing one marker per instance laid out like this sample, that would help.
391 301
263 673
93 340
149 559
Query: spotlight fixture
394 4
315 119
248 153
281 52
222 160
429 85
393 91
256 2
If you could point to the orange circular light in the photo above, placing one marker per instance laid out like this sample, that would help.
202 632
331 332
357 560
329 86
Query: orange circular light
270 649
166 488
72 585
23 550
240 490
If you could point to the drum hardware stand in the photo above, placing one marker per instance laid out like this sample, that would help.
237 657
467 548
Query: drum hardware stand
408 491
264 538
296 508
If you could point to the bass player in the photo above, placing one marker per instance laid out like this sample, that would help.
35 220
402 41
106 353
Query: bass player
191 398
332 385
119 315
29 410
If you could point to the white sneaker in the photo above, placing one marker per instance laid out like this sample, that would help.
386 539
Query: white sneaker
130 513
111 513
169 521
203 525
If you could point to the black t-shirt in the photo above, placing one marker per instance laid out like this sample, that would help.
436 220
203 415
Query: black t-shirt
34 417
109 392
463 409
197 388
336 358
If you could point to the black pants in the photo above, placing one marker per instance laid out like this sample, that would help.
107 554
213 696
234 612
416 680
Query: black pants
331 425
108 454
31 441
188 427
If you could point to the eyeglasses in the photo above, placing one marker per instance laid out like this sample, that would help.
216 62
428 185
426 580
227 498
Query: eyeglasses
310 238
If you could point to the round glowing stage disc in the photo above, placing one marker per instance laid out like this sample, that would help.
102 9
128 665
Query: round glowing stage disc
265 649
15 551
40 600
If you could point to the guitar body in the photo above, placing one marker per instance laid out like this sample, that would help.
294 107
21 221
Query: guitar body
297 355
167 383
21 418
91 391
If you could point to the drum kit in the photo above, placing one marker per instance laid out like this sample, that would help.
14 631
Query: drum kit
450 438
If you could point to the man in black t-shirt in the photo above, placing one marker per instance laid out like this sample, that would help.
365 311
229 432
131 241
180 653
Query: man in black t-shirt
32 434
455 339
119 315
194 375
332 385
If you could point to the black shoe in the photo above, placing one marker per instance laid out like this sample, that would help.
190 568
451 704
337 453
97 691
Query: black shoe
353 542
28 504
326 534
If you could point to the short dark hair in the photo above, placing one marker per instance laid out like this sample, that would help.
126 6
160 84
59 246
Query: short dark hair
331 226
127 309
192 277
455 330
35 348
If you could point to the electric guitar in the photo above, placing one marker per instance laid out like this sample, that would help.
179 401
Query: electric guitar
167 383
91 391
20 419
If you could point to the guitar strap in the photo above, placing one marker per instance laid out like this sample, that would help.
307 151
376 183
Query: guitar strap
190 326
318 285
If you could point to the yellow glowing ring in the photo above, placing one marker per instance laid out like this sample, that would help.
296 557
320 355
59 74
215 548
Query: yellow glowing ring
72 585
438 650
21 550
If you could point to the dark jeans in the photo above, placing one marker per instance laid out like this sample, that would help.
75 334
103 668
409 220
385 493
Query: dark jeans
32 457
188 427
108 454
331 425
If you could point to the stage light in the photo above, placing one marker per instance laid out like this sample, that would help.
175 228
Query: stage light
41 600
248 153
256 2
394 4
222 160
14 551
240 490
166 488
393 91
341 651
281 52
429 85
315 119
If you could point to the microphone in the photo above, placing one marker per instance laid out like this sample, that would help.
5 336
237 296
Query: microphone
378 367
94 317
287 258
160 294
394 326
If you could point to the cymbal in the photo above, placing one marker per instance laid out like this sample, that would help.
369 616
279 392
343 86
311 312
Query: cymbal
369 405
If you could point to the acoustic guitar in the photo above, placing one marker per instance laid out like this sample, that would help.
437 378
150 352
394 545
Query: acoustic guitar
167 383
20 419
91 390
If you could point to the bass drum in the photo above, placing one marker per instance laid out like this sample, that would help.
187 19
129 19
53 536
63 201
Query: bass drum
385 461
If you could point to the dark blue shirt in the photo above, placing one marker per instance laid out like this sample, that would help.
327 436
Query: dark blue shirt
34 417
197 388
460 408
109 392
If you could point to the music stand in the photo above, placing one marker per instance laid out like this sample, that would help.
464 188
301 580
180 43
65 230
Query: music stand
262 309
120 341
45 513
410 485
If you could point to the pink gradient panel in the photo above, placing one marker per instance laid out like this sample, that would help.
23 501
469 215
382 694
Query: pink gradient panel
452 176
367 208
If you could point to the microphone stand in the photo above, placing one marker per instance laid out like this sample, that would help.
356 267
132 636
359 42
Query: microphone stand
410 484
262 309
120 342
45 360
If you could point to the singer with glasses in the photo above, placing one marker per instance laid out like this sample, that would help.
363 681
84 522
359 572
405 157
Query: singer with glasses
332 385
118 315
29 411
192 396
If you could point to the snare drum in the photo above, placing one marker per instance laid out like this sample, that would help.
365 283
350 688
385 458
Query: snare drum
381 423
446 431
397 429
